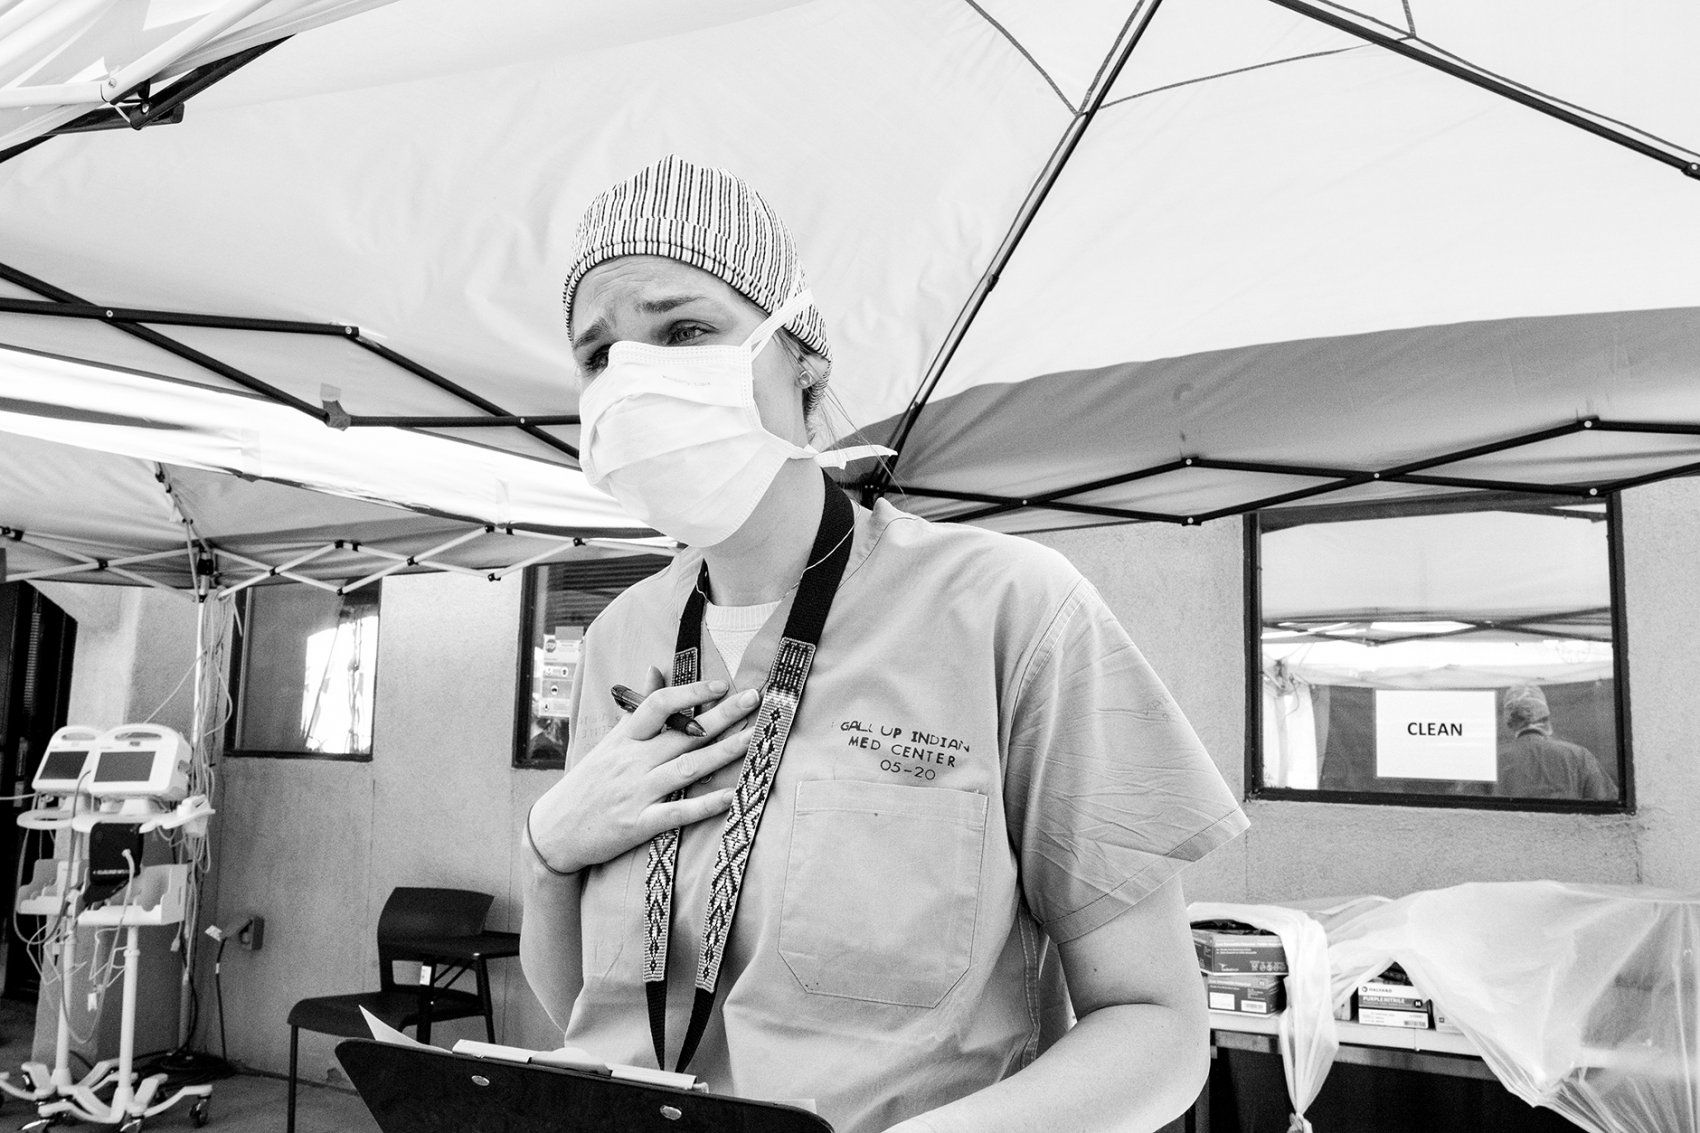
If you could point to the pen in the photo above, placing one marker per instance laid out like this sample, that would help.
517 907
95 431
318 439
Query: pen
678 721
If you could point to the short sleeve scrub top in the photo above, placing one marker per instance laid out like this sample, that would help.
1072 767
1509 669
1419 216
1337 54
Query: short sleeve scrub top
982 764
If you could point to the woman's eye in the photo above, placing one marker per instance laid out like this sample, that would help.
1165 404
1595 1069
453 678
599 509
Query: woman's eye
685 332
594 363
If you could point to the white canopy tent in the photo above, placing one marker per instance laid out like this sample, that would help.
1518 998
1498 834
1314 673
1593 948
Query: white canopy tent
183 482
1082 262
75 65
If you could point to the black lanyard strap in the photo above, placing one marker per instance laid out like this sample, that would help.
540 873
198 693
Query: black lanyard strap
781 696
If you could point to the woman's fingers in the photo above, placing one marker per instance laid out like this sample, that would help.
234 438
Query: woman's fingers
650 717
684 812
679 773
729 711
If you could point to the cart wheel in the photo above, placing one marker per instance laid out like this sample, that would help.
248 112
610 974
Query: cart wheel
198 1116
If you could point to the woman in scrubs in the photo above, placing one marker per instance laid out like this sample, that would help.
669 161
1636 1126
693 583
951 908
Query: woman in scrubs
919 869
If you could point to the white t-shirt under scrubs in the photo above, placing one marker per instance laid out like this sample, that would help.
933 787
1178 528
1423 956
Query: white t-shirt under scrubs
982 764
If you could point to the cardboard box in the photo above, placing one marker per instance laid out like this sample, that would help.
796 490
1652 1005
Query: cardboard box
1239 950
1246 994
1443 1022
1389 1000
1384 1017
1394 997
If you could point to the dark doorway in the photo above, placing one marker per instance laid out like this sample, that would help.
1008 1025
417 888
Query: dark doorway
37 643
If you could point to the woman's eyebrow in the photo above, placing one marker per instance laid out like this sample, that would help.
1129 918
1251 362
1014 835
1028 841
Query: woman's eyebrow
659 305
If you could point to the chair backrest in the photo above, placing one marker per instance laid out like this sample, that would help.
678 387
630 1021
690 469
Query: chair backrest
414 911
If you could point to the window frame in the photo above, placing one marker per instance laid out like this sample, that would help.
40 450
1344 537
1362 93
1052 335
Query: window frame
523 760
1253 604
531 593
238 652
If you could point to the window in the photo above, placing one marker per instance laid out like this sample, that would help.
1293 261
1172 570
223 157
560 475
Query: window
1464 653
305 677
560 601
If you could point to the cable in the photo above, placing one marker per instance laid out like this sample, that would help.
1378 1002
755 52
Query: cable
170 696
218 989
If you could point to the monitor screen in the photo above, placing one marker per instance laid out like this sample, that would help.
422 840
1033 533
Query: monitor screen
124 767
61 766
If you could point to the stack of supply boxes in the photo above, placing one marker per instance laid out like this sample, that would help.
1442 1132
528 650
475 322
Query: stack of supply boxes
1390 1000
1243 967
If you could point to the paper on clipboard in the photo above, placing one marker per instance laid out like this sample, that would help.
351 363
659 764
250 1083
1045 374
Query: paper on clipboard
567 1057
385 1033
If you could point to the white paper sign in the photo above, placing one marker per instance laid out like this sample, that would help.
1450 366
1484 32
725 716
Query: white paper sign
1436 735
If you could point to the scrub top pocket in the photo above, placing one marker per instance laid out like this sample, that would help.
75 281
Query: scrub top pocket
882 890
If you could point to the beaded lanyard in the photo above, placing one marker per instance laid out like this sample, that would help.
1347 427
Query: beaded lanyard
781 695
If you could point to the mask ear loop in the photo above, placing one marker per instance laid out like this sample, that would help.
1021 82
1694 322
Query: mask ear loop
784 313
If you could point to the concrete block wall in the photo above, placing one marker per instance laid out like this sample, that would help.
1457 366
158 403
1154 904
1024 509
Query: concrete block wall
315 846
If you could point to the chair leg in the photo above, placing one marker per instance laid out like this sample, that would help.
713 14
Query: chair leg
294 1043
484 1001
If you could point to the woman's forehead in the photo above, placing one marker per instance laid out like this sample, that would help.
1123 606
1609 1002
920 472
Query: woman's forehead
616 286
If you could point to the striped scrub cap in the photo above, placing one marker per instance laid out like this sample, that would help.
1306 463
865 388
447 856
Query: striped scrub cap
707 218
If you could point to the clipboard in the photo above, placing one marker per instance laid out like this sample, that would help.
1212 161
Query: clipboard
426 1090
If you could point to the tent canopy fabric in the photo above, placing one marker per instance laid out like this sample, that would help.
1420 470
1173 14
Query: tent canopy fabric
1080 262
92 64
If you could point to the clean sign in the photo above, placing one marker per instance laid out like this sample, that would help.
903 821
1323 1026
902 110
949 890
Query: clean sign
1436 735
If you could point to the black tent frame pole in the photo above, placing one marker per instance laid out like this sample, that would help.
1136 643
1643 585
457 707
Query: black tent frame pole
109 117
1406 47
1522 486
97 313
62 304
1338 479
1011 503
164 108
509 421
1281 498
1138 22
1491 448
1647 427
194 82
170 345
1044 498
527 425
1651 478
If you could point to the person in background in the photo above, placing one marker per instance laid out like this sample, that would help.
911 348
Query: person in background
1534 765
956 798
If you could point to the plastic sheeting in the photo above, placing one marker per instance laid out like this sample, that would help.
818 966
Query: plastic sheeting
1307 1035
1582 999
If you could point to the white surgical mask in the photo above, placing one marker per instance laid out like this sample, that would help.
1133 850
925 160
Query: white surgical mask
674 434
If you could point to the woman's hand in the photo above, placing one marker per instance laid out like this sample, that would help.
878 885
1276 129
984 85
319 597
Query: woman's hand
616 796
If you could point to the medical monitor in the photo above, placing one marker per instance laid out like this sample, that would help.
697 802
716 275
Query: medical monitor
140 761
62 765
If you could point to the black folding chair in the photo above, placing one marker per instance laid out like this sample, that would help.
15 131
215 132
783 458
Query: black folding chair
411 919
